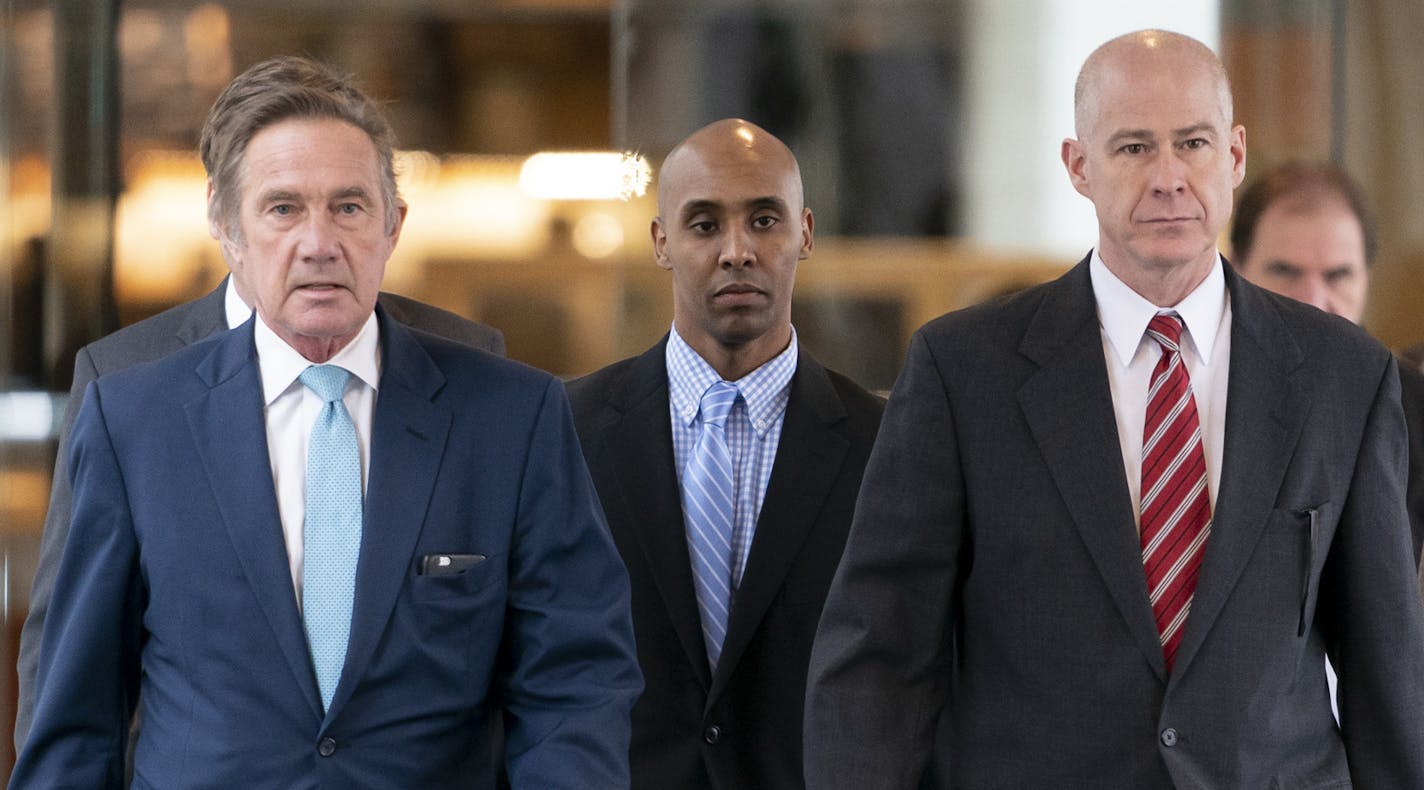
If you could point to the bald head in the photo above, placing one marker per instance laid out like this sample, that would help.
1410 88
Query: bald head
1158 155
721 145
1129 56
732 227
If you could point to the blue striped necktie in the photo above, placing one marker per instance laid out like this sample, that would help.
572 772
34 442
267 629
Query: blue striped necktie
707 507
331 534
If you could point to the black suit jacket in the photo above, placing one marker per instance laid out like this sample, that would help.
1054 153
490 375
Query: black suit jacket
994 571
145 341
739 728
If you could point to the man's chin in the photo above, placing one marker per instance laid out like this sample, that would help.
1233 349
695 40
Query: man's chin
1176 254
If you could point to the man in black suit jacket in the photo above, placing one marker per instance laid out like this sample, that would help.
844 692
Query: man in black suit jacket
154 338
1304 231
731 229
995 569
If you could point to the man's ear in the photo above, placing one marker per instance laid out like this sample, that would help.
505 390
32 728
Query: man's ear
1238 155
1075 161
808 235
659 234
214 229
402 208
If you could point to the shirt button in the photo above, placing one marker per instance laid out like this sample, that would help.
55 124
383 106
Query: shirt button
326 747
712 734
1169 737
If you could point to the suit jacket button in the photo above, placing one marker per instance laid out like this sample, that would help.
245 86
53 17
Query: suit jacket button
712 734
1169 737
326 747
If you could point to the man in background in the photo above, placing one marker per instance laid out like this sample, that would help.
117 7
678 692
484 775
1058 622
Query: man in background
1305 231
227 307
727 461
324 548
1112 524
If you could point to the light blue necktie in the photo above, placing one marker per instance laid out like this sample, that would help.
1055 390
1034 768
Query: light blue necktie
707 507
331 534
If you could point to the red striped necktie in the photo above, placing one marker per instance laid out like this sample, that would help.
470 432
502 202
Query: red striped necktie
1176 506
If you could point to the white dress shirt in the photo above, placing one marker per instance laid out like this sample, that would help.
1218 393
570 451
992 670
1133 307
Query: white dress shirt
1123 315
291 409
237 311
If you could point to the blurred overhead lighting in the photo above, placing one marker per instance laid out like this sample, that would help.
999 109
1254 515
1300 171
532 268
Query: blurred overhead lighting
587 175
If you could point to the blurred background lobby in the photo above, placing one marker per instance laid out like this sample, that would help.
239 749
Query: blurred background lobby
928 135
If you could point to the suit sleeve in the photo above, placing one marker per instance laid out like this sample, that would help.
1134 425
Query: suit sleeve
879 667
571 673
56 530
1374 619
89 656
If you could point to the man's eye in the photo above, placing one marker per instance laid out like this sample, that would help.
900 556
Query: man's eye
282 209
1134 148
763 222
706 226
1194 143
348 208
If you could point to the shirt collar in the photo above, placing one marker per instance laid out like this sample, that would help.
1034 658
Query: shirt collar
280 364
765 391
1124 313
234 309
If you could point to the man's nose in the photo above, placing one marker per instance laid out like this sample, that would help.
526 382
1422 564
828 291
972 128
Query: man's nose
317 242
1168 171
737 247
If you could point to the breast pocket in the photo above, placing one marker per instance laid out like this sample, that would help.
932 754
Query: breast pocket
1302 536
432 582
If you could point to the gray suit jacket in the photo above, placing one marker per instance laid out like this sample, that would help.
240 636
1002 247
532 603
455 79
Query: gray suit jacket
994 572
145 341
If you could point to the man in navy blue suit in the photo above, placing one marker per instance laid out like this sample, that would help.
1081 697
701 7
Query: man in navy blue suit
483 582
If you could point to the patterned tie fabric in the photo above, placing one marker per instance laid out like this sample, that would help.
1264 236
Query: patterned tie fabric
331 535
707 507
1176 506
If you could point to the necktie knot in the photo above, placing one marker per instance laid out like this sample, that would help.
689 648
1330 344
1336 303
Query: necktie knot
717 403
1166 329
327 381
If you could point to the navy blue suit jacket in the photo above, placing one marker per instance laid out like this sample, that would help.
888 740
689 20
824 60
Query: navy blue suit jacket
175 579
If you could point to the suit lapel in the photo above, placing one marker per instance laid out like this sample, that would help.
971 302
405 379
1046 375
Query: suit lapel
1069 408
229 430
637 444
408 435
1265 412
809 456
